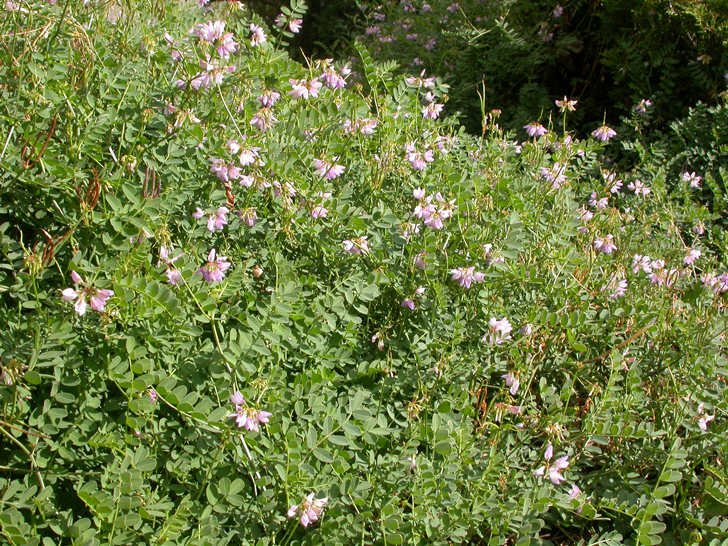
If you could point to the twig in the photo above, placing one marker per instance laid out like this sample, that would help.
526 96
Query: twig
625 342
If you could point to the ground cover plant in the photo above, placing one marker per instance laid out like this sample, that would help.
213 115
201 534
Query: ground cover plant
252 301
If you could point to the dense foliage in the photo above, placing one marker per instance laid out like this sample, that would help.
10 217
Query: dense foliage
250 301
521 55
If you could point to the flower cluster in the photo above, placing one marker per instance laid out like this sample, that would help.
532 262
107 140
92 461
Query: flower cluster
655 270
173 274
499 332
433 209
245 416
215 220
555 175
365 126
554 471
605 245
309 511
214 269
604 133
718 285
466 276
356 246
328 170
96 297
692 179
535 129
418 160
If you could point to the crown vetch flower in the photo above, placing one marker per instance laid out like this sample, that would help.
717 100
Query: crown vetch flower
328 170
535 129
566 104
309 511
466 276
247 417
214 269
96 297
356 246
692 178
604 133
499 332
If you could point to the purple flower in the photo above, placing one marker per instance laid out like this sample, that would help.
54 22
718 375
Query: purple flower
248 216
214 269
408 303
263 120
604 133
558 12
535 129
96 297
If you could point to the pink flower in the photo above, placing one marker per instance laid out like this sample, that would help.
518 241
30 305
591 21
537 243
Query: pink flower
604 133
499 332
566 104
269 98
309 511
639 188
466 275
549 453
329 170
96 297
263 120
642 107
319 211
555 175
703 422
574 492
248 216
535 129
258 36
295 25
511 382
249 155
408 303
605 244
432 110
692 178
247 417
214 269
598 203
692 256
217 220
356 246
